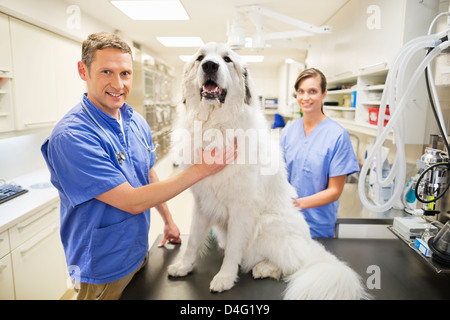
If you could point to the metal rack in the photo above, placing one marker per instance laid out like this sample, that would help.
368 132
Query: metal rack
438 268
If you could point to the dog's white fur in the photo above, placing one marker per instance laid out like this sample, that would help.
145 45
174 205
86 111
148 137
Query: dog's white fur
252 212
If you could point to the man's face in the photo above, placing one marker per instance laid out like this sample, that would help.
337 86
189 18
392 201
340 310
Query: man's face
109 79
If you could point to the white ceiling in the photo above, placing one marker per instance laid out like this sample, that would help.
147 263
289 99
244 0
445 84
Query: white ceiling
208 19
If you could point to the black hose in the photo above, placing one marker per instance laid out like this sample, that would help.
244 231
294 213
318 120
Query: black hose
422 175
433 108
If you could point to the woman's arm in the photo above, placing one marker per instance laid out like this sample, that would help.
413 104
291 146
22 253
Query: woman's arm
330 194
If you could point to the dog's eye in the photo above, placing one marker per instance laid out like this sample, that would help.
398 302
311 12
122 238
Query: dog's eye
200 58
227 59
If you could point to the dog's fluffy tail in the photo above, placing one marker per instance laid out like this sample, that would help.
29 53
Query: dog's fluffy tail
324 277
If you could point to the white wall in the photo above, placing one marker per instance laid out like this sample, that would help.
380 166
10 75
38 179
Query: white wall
21 155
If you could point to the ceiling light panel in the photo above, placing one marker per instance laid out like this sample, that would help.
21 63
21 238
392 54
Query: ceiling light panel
152 9
251 59
247 59
181 42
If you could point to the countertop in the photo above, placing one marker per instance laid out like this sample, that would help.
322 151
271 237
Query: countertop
40 194
402 274
351 210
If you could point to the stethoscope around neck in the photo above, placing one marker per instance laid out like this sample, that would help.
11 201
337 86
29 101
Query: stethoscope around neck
120 155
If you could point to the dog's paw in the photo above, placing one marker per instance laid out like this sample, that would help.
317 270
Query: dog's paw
222 282
179 269
265 269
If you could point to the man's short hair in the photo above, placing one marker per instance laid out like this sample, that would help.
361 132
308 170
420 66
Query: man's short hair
99 41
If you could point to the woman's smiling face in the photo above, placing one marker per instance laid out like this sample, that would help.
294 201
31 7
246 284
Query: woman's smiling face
310 95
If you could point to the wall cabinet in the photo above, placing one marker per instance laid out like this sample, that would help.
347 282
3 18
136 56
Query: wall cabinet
35 79
6 106
358 53
46 82
370 41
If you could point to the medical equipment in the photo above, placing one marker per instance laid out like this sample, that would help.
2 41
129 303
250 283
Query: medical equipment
10 191
397 90
120 155
433 181
440 245
409 196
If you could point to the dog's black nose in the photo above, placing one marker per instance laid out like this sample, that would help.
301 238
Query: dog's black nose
210 67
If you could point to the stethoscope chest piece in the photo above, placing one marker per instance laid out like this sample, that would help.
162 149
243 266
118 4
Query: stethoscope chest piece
120 157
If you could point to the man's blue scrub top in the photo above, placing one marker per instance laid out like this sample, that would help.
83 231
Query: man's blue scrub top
326 152
105 243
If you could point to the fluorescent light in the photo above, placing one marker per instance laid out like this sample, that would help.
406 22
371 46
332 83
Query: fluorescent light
186 58
181 41
253 58
247 59
152 9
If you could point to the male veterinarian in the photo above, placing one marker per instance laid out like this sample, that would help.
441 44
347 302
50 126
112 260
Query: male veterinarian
100 156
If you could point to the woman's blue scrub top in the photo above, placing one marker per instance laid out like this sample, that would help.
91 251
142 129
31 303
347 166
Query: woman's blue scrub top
101 241
326 152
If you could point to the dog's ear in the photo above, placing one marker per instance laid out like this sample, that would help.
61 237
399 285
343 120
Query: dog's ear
186 70
248 93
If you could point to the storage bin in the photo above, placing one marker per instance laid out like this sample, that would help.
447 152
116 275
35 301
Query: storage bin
373 115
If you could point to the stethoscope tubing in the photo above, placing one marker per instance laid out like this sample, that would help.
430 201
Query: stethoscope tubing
119 154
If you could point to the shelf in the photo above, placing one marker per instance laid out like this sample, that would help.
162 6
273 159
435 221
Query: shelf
339 108
374 88
365 128
343 91
374 102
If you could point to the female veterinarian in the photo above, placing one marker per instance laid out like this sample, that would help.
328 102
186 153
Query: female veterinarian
100 156
318 155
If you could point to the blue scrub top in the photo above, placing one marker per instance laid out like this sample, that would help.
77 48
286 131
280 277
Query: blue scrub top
105 243
326 152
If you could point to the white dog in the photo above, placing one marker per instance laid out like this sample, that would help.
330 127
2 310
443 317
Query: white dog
249 203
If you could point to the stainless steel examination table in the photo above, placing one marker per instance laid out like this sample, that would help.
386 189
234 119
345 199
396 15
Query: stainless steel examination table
401 274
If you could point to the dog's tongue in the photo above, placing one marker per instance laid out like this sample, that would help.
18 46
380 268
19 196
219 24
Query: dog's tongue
210 87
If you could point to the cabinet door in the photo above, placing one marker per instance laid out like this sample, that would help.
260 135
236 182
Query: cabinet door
6 279
34 76
69 86
39 267
5 52
343 51
6 111
33 225
380 26
4 243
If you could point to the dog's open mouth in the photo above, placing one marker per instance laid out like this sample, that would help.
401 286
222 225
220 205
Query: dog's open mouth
212 91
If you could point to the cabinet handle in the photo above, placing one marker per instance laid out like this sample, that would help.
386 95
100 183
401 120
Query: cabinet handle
21 226
48 234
